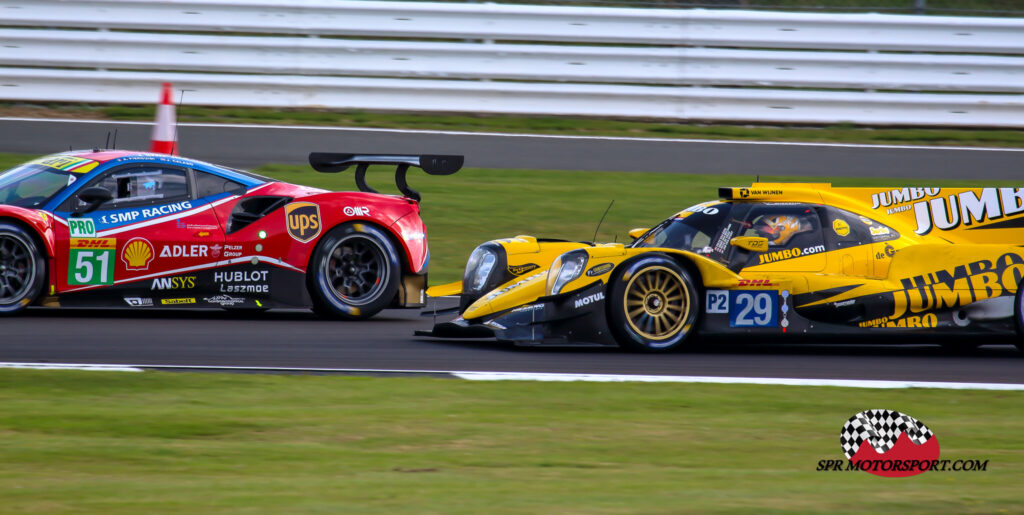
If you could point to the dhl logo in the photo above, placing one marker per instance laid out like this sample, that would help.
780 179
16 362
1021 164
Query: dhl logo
94 243
755 282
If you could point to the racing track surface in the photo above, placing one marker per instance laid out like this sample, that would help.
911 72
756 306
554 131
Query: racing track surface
299 339
253 145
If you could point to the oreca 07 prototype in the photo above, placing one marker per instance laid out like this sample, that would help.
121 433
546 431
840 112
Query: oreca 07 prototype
112 228
772 259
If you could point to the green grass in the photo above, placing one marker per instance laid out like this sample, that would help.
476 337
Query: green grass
476 205
88 442
564 125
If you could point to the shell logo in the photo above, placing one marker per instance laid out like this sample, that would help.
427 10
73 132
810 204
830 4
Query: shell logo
137 254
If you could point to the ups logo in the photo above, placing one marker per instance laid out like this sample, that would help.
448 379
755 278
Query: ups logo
303 220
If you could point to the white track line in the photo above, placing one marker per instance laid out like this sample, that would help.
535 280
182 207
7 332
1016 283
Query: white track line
538 136
70 366
536 376
848 383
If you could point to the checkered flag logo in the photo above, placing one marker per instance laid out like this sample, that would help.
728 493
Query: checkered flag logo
881 428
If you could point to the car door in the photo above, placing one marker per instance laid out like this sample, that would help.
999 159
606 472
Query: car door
148 241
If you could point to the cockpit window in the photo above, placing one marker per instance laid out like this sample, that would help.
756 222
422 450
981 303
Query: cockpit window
691 230
32 185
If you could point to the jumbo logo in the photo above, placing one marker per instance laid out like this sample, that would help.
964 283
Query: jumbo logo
967 208
137 254
522 269
303 220
959 286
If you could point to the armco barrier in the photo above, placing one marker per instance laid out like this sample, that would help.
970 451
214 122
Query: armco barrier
646 63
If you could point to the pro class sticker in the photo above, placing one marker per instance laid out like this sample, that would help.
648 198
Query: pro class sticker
303 220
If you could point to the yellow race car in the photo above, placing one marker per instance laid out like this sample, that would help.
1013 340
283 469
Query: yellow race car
770 259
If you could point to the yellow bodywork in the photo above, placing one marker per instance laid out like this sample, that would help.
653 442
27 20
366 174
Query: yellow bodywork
940 260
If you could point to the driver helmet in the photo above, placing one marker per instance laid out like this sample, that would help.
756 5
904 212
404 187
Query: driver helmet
779 229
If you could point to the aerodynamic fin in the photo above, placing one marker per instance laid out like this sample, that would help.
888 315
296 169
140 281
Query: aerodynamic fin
327 162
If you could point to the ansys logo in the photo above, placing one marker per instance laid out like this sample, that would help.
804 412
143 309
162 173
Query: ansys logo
889 443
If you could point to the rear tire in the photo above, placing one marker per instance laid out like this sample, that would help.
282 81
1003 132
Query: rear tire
22 269
652 305
354 272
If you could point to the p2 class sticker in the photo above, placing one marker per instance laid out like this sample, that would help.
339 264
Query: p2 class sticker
753 308
717 301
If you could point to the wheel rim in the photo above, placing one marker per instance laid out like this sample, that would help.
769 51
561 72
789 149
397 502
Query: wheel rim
17 269
356 269
657 303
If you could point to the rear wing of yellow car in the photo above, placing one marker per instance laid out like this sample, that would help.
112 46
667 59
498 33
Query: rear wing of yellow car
958 215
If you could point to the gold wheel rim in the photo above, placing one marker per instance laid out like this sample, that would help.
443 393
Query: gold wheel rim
657 303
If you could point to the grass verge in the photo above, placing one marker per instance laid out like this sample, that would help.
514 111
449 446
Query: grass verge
88 442
563 125
476 205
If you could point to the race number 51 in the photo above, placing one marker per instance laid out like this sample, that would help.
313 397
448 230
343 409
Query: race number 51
91 261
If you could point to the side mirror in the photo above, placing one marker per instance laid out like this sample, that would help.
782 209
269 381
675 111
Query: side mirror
638 232
751 243
94 197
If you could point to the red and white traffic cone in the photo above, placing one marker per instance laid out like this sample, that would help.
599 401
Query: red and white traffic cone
164 138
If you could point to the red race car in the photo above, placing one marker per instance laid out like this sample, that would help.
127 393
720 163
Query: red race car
112 228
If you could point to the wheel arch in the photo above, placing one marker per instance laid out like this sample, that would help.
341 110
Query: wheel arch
47 244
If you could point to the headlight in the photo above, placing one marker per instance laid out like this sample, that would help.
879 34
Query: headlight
478 268
566 268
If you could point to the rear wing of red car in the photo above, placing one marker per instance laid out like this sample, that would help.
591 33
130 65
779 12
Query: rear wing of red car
327 162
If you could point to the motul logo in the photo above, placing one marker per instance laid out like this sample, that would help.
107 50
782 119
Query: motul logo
303 220
589 299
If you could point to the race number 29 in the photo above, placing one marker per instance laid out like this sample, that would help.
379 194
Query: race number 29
91 261
753 308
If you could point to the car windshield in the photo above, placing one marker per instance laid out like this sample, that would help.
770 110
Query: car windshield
31 185
691 230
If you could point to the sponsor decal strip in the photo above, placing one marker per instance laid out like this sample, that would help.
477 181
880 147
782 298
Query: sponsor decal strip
538 376
247 259
172 216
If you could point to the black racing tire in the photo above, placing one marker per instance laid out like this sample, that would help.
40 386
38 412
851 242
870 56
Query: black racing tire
653 304
22 269
354 272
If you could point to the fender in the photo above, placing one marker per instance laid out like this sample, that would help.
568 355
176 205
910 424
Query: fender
39 221
395 215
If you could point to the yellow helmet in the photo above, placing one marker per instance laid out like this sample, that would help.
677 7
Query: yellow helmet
780 228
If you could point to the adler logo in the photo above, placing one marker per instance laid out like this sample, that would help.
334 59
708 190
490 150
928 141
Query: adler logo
589 299
303 220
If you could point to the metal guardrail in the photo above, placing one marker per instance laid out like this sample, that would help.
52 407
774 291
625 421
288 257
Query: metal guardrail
650 63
